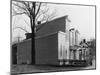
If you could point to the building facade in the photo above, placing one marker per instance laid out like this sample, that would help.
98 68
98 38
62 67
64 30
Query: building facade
55 44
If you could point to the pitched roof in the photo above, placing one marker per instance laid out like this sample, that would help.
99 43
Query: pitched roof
43 24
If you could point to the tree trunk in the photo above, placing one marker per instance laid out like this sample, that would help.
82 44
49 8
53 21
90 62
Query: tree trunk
33 35
33 47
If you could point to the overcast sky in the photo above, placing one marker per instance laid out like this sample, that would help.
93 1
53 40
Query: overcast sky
82 18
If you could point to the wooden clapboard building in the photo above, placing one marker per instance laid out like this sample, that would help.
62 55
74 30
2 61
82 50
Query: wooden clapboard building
51 43
54 44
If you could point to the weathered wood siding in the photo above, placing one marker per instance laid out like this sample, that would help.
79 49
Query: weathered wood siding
51 27
47 49
24 52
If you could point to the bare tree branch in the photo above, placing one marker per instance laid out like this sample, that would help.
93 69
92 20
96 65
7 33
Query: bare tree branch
22 8
38 10
51 16
26 22
42 12
21 29
19 13
47 17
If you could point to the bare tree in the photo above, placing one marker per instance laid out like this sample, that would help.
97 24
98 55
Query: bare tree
34 12
41 12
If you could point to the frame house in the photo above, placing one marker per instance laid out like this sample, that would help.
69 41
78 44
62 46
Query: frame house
51 43
54 44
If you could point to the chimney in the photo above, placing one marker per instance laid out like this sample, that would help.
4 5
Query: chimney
28 35
39 22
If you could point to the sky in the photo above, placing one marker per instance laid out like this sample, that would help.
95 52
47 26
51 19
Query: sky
82 18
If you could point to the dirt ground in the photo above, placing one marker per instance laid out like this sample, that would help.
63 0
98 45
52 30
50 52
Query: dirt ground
22 69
